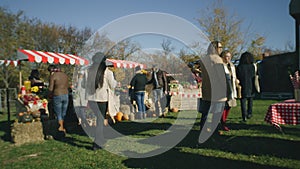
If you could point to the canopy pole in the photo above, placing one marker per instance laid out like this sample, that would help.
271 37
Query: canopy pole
20 76
20 79
7 104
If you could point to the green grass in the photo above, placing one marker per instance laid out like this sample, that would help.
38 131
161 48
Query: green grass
255 144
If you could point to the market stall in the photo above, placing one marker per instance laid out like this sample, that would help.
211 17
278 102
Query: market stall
32 98
32 103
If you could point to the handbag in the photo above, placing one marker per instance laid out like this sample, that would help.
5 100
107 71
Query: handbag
112 107
238 91
256 80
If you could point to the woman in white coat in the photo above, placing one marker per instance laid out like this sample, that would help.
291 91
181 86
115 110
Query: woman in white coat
231 82
100 82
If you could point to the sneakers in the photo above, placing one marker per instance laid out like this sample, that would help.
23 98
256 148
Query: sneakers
249 116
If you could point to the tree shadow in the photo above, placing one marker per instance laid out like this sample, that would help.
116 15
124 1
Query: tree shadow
174 158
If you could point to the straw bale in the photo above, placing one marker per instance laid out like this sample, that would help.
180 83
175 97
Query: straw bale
27 133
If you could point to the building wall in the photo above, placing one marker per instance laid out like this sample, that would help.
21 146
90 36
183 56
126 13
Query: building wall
275 70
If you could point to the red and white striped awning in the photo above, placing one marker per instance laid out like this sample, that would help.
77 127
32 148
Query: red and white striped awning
51 57
9 63
124 63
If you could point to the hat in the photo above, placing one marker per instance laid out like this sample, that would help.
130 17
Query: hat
98 57
138 68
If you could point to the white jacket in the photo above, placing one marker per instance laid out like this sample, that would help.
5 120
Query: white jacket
109 83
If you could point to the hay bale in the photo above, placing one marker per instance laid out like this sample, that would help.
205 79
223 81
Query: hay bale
27 133
125 109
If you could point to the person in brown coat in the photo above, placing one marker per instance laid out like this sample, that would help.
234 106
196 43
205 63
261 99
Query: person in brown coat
213 90
58 88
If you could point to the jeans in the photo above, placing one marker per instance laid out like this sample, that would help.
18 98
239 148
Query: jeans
159 100
60 106
140 97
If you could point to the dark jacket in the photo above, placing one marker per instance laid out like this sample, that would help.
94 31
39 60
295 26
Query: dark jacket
246 73
161 79
139 82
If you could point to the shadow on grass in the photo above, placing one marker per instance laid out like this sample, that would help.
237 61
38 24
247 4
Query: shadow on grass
246 145
263 144
124 128
253 144
5 126
176 159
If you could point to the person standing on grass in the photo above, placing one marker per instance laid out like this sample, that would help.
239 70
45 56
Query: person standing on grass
246 74
58 89
100 80
160 89
231 81
213 82
138 84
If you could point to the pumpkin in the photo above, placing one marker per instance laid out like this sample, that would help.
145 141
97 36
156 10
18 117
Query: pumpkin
27 118
119 116
21 114
125 117
174 109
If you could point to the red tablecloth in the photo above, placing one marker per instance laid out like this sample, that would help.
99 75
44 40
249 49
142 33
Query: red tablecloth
287 112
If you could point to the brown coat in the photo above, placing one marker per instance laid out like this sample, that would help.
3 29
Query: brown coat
213 78
58 84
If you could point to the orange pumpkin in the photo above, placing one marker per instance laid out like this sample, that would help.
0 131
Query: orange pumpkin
21 114
119 116
125 117
174 109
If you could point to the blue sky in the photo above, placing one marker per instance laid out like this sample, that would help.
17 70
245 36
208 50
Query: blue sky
269 18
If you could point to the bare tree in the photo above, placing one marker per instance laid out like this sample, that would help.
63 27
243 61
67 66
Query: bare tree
167 47
256 47
124 49
220 25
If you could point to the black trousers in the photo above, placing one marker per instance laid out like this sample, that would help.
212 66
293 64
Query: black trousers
246 106
204 109
100 109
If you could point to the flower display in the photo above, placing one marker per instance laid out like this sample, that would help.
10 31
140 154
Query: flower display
34 89
295 80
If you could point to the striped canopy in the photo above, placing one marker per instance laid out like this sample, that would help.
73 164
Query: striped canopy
50 57
124 63
9 63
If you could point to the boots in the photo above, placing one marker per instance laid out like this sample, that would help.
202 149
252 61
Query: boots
223 120
139 115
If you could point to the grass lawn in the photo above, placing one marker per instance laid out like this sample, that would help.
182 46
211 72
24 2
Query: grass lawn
255 144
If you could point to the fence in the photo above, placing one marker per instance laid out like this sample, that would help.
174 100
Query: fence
12 94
